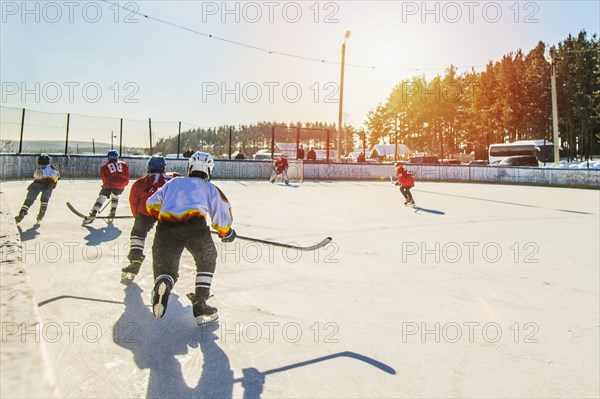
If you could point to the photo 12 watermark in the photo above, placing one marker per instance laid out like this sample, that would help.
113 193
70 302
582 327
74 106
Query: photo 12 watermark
269 92
71 92
469 332
271 12
452 12
54 12
471 252
290 332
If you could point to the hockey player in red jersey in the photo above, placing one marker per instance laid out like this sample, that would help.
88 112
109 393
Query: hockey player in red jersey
406 182
280 168
182 207
141 190
115 176
44 181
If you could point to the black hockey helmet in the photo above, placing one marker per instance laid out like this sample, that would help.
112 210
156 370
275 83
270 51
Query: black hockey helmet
44 159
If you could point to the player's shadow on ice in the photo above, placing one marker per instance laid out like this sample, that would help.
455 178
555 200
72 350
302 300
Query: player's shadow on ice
103 234
156 343
30 233
432 211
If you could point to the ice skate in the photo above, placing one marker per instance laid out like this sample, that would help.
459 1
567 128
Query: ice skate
89 219
111 215
160 294
19 217
129 272
203 313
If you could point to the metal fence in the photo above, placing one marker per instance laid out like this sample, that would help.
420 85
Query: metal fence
28 131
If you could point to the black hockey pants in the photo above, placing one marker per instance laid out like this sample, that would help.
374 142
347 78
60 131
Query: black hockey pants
169 242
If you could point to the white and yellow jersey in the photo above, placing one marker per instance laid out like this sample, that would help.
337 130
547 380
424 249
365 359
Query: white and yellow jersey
184 198
46 173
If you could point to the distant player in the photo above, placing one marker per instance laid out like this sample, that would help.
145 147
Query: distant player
141 190
280 168
115 176
182 207
406 182
45 178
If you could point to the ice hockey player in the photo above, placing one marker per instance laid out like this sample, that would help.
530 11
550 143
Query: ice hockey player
44 181
141 190
115 176
280 168
182 207
406 182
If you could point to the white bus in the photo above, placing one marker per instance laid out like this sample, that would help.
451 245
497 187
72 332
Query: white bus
543 150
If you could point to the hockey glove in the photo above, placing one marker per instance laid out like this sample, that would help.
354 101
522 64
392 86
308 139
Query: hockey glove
229 237
396 184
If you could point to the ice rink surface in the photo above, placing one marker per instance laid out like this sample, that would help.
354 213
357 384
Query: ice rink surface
485 291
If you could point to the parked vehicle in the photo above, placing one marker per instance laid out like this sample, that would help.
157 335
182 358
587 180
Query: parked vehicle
451 162
542 150
518 160
482 162
425 160
264 156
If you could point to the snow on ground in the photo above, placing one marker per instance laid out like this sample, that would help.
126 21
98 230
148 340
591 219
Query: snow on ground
574 165
485 291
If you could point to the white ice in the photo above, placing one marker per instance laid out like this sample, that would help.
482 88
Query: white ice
485 291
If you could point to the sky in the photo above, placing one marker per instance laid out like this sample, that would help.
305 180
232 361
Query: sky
101 59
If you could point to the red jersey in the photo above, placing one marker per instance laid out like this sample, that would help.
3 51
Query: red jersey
281 165
405 178
143 188
115 174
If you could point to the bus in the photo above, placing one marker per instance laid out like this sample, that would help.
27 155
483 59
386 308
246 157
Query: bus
543 150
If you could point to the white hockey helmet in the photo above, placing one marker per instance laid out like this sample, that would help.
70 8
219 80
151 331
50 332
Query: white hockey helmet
201 162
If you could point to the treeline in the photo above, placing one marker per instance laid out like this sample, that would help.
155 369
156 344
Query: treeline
510 100
248 138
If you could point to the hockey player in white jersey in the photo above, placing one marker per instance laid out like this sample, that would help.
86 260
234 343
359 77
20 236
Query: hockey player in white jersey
182 207
45 178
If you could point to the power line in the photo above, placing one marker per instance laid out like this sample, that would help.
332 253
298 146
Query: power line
281 53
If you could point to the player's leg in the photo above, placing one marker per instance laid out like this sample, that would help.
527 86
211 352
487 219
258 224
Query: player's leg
102 196
137 240
403 190
411 201
202 248
114 202
285 176
44 199
166 254
32 192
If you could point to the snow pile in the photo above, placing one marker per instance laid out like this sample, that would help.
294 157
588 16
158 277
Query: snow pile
23 359
574 165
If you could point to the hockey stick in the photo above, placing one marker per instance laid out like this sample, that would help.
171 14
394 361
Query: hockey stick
81 215
104 207
279 244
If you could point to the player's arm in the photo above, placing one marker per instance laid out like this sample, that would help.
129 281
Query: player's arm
104 174
220 213
55 173
134 196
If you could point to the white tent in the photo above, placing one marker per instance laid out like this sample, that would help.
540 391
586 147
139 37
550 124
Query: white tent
386 150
